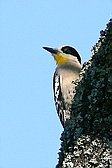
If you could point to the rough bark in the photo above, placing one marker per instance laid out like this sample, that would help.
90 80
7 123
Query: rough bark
87 138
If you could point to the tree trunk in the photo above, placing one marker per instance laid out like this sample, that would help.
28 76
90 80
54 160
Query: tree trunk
87 138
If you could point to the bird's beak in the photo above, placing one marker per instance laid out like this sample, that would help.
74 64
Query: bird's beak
51 50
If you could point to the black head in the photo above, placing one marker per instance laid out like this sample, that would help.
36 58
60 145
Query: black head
71 51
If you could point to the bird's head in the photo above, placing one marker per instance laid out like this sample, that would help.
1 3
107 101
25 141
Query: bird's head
64 54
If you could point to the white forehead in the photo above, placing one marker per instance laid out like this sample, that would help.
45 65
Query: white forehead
60 48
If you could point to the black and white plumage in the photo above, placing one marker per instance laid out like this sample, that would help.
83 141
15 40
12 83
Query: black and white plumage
67 72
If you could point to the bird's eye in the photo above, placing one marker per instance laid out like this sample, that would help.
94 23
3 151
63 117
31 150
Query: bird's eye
71 51
66 50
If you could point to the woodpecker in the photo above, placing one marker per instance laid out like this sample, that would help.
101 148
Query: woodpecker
67 72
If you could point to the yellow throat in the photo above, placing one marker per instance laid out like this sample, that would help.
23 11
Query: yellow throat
61 59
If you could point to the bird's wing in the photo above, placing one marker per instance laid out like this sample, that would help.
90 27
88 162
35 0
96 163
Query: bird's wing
58 97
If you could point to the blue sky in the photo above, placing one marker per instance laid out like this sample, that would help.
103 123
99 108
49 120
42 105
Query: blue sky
29 127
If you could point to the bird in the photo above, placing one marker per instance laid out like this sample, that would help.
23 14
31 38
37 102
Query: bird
68 68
